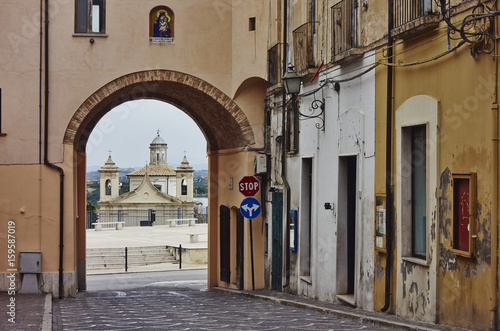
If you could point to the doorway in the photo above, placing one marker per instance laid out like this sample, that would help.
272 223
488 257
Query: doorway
346 239
277 253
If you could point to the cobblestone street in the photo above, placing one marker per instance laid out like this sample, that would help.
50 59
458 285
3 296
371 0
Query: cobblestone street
187 305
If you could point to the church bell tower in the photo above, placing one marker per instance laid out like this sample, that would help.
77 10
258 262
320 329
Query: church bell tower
109 181
158 151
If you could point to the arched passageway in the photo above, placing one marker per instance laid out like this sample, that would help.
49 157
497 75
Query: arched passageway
221 120
230 139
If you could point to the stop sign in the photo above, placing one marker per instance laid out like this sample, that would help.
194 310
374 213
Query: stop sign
249 186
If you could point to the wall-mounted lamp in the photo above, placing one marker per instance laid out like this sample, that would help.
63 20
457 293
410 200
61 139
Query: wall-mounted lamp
291 82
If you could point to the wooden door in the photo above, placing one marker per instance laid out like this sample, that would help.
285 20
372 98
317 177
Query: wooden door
277 246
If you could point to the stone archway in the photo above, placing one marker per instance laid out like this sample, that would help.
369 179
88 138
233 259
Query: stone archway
220 119
225 126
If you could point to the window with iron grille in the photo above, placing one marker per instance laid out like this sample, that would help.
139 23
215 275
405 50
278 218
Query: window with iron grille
90 16
406 11
344 26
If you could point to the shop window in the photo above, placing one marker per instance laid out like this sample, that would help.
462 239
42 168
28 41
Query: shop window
464 192
90 16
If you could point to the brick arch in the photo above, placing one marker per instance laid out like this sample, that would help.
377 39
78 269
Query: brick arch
220 119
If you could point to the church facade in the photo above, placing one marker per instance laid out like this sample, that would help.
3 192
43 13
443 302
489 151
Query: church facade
157 189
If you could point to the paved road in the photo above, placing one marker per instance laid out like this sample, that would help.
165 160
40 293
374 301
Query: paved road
180 301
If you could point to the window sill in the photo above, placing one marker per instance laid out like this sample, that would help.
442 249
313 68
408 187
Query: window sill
416 260
464 254
348 56
100 35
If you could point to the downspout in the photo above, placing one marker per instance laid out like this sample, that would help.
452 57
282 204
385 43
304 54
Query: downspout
283 148
495 234
45 155
388 162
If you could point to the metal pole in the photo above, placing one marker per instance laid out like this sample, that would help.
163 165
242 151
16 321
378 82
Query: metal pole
126 258
180 256
251 253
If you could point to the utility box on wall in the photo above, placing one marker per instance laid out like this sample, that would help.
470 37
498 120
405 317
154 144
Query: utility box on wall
30 262
260 164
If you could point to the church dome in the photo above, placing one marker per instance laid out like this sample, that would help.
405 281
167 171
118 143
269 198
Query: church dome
158 141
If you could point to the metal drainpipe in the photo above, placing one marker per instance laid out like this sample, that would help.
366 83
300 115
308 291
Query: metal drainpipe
46 160
283 149
388 162
496 162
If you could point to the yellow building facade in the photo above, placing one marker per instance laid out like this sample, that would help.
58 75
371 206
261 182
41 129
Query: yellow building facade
445 184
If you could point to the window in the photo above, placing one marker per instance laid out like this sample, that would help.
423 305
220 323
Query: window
292 142
251 24
184 187
406 11
418 190
464 193
108 187
90 16
344 26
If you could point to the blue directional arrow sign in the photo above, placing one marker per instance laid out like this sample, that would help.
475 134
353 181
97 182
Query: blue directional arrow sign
250 208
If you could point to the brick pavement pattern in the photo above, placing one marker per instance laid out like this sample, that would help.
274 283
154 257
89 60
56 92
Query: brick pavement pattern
188 306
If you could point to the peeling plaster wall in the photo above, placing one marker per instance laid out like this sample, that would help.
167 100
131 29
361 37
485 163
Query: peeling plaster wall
349 130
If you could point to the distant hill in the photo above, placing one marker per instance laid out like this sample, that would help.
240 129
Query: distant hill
123 173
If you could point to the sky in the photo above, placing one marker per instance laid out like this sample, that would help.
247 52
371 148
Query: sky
128 129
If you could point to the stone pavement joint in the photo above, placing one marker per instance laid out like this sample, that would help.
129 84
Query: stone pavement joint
376 318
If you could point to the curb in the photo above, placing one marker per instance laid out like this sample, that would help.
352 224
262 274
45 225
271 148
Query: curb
47 314
364 318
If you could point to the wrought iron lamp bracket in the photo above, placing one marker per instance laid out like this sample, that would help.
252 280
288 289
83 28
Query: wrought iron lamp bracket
316 110
476 28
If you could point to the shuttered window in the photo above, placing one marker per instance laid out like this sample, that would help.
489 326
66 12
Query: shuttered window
90 16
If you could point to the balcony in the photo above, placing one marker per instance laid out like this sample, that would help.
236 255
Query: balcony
274 64
303 46
413 17
345 41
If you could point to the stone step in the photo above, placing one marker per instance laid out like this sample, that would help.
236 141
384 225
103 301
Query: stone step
114 258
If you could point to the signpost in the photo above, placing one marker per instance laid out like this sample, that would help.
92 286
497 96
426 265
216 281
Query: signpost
250 208
249 186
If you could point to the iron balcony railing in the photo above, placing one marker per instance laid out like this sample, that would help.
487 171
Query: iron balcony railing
406 11
274 64
303 46
344 26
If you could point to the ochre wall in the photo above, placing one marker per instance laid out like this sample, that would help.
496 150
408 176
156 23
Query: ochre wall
211 49
465 88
